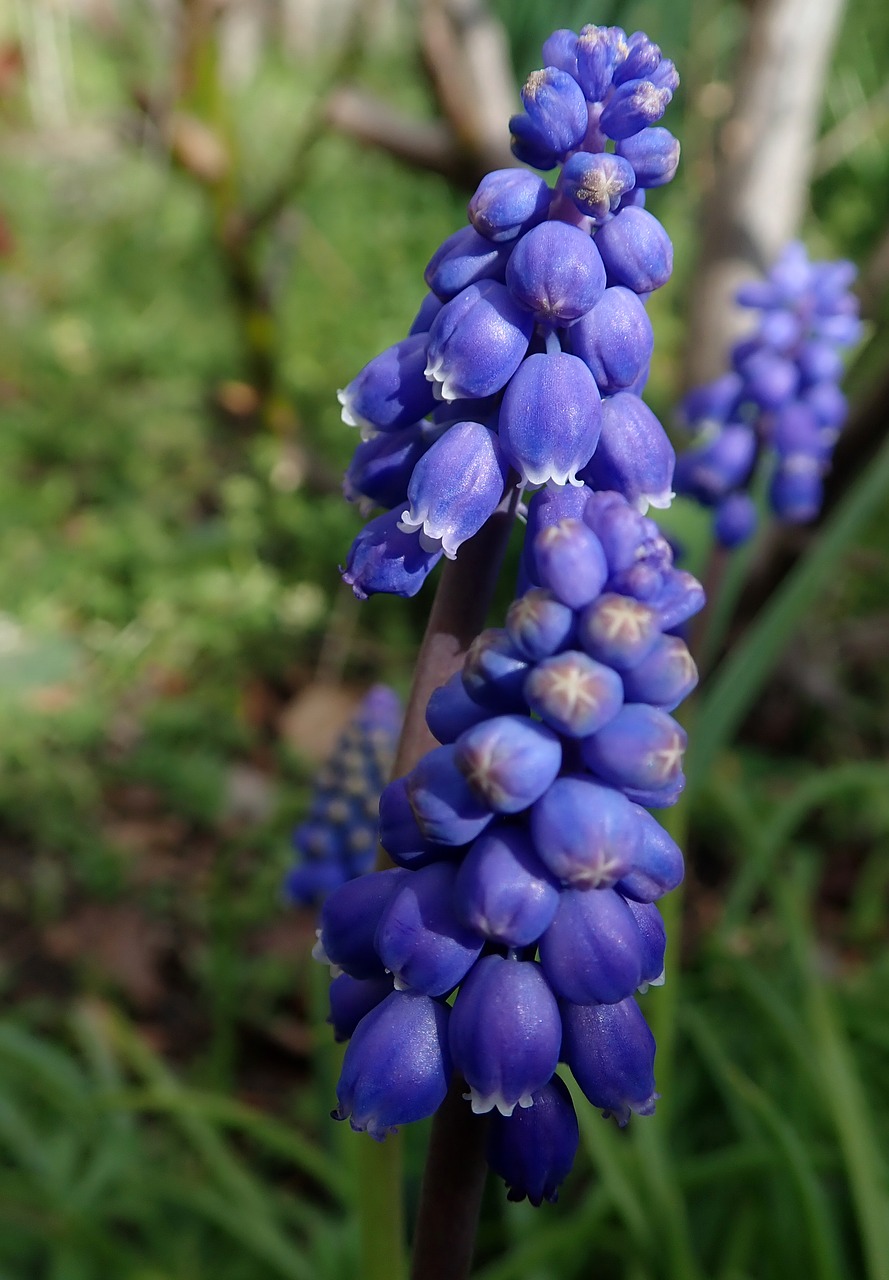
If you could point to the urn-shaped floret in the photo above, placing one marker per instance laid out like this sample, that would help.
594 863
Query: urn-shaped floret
533 1149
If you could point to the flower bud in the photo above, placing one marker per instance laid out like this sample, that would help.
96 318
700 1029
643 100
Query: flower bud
538 624
351 999
477 341
505 1033
463 259
634 455
713 469
420 940
508 761
653 155
654 942
503 889
447 810
450 710
614 340
665 676
560 50
400 834
573 694
636 251
585 833
610 1050
592 952
349 919
533 1149
397 1065
570 562
769 380
550 419
494 672
681 597
634 105
819 362
597 183
643 57
455 487
657 866
391 391
796 490
640 750
429 309
555 119
507 203
556 272
599 51
383 559
618 630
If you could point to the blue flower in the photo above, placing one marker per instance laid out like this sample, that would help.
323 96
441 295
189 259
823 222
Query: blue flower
533 1149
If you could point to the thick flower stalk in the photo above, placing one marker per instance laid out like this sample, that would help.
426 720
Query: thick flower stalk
526 361
337 839
519 923
781 404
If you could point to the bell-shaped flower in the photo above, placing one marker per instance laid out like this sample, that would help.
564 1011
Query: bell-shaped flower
614 340
463 259
618 630
593 950
384 559
713 404
796 490
349 919
447 810
555 119
450 710
574 694
570 562
494 672
770 380
735 520
796 429
827 402
717 466
556 272
477 341
599 52
429 309
585 833
533 1149
420 939
508 761
657 866
654 942
538 624
665 676
397 1066
640 750
653 155
636 251
634 455
634 105
381 467
503 890
391 391
507 203
505 1033
455 487
550 419
351 998
597 183
610 1051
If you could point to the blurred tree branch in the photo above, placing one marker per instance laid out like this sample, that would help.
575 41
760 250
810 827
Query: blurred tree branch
764 161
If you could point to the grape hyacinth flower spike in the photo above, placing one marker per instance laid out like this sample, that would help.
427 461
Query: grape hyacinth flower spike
534 326
780 403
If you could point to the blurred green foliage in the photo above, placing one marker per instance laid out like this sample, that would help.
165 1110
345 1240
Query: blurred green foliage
168 589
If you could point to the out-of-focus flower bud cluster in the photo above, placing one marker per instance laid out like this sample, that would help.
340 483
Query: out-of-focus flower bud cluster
781 400
338 838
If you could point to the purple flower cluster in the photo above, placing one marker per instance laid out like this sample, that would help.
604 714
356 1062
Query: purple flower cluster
781 397
530 353
338 839
527 865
